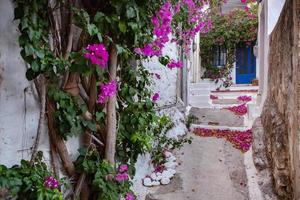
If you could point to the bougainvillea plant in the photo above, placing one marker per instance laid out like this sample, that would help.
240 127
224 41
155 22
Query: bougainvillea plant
238 27
85 62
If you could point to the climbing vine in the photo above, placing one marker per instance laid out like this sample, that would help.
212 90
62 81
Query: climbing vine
230 30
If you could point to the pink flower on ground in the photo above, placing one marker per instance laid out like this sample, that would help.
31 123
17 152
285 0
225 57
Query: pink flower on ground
51 183
122 177
97 54
244 98
155 97
129 196
123 168
106 91
238 110
213 97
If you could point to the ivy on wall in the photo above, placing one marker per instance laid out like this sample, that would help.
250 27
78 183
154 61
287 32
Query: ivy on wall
229 30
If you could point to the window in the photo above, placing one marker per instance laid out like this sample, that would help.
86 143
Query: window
219 57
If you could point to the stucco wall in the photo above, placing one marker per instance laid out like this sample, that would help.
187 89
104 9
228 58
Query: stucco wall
19 108
280 117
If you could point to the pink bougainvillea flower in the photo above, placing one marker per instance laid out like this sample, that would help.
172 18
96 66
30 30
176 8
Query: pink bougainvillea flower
213 97
129 196
120 177
247 9
244 98
244 1
51 183
175 64
97 54
238 110
241 140
123 168
106 91
155 97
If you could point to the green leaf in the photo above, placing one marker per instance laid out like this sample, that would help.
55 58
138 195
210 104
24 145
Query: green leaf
92 29
122 26
30 74
130 13
99 17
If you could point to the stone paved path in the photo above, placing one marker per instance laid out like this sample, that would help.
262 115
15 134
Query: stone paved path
211 168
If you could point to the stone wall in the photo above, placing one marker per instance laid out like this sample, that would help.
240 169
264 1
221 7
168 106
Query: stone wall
280 116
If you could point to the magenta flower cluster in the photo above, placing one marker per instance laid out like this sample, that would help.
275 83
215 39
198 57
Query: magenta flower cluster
97 54
244 98
122 174
106 91
51 183
162 28
197 22
155 97
129 196
238 110
174 64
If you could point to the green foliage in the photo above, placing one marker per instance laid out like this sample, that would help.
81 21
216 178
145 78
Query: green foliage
102 175
162 143
229 30
137 119
69 114
28 181
34 28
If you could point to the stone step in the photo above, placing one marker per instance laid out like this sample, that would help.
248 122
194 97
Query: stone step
216 117
226 101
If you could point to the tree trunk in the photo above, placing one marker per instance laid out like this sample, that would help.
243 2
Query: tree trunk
110 147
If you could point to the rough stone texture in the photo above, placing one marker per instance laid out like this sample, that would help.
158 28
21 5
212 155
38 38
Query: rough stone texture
265 179
220 117
258 145
280 117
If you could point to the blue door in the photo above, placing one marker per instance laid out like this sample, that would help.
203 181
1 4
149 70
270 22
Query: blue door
245 64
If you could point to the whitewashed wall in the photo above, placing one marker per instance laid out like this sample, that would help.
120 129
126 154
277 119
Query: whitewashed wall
167 85
19 108
269 13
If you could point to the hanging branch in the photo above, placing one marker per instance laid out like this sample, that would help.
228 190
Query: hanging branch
110 147
42 119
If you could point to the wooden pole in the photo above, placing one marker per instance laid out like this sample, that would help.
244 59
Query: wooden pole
110 147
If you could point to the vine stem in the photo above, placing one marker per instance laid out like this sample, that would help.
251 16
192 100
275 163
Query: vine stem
110 147
82 187
42 119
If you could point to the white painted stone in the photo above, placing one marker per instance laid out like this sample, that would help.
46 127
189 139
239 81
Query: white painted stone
158 173
166 174
153 176
147 182
165 181
158 178
172 171
168 154
155 183
171 159
171 165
